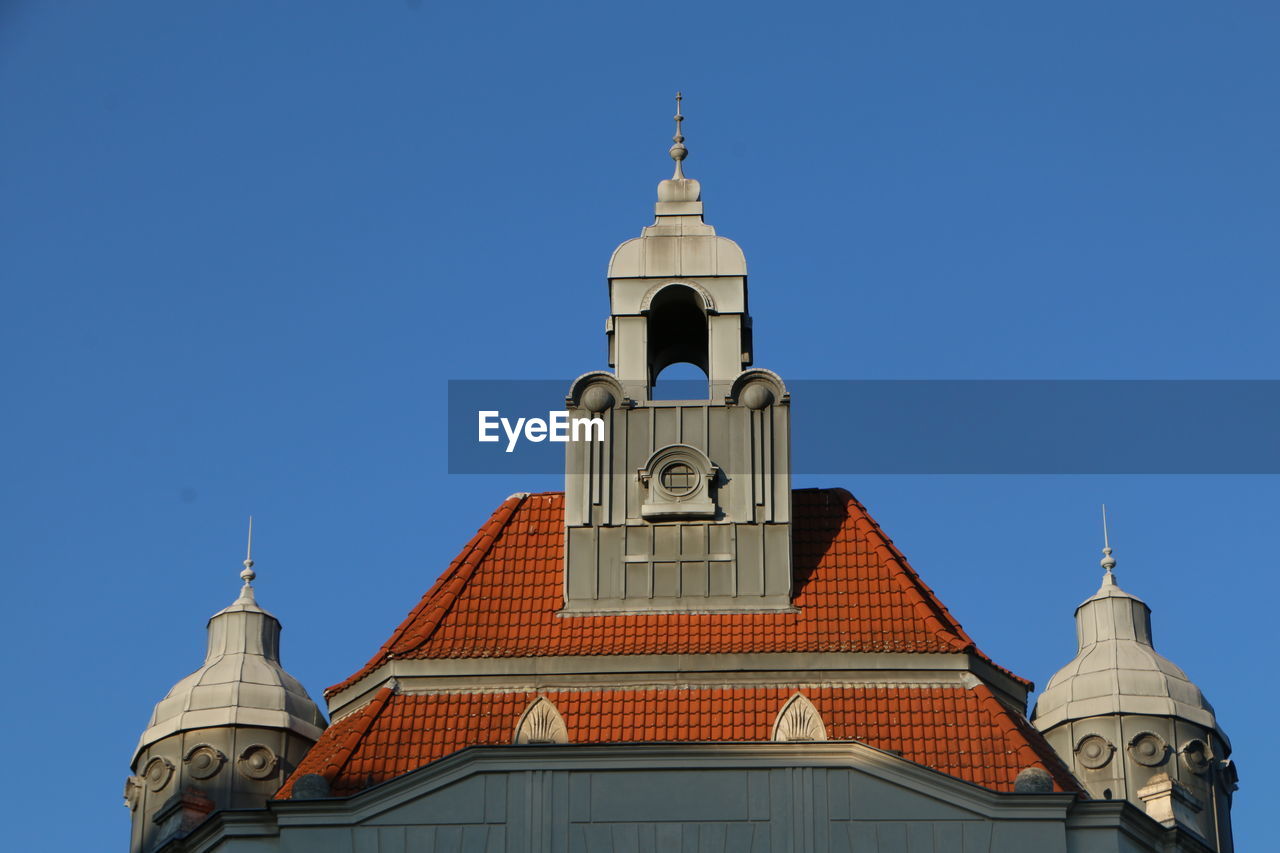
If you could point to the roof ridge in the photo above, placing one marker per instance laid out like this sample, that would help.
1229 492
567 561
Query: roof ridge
938 611
351 741
912 583
1014 725
460 570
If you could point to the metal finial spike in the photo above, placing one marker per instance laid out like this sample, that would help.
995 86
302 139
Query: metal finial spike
249 574
678 152
1108 561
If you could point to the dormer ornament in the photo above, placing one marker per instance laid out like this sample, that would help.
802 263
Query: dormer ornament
799 721
541 723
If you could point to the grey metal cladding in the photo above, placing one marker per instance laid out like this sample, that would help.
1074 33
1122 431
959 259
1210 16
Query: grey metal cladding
685 505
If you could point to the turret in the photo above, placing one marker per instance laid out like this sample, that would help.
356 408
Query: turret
226 736
1131 725
685 505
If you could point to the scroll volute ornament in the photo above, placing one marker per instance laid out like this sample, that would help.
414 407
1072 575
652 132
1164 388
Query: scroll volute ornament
132 792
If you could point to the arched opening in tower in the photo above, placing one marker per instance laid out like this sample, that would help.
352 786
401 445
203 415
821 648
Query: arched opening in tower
677 335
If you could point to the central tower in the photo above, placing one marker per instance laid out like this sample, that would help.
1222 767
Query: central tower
685 505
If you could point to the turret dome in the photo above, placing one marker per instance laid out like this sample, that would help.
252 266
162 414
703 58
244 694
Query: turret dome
241 682
1132 726
1117 670
227 735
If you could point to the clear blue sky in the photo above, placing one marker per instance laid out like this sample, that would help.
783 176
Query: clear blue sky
244 245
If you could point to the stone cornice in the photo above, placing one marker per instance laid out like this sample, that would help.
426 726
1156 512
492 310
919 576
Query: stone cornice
666 671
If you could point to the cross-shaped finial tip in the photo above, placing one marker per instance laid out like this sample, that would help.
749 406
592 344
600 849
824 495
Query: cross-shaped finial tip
678 152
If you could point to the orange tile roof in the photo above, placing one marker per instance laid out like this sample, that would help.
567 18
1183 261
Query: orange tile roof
853 590
966 733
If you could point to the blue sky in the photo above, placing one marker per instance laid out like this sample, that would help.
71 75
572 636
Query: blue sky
245 245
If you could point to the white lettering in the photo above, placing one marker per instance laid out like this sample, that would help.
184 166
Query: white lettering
513 435
559 425
588 424
487 423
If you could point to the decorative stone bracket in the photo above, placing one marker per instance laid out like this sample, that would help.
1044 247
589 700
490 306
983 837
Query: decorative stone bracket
1170 802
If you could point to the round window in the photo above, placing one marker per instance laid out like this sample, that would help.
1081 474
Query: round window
679 479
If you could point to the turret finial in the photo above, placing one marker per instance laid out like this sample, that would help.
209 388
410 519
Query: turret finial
1108 561
678 152
248 574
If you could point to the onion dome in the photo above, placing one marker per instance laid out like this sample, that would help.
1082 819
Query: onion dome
241 682
1116 669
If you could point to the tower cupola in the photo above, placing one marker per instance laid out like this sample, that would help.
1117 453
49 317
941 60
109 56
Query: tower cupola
226 736
685 505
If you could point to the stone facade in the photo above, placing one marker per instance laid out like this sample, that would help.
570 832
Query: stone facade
742 798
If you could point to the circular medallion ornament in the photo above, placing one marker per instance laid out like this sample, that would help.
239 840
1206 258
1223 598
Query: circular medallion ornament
597 398
157 773
257 762
1148 749
1195 755
1094 751
757 395
204 761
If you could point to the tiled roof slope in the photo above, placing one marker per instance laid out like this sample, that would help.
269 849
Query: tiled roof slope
966 733
853 590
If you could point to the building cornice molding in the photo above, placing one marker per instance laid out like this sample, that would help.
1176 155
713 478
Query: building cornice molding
534 674
366 806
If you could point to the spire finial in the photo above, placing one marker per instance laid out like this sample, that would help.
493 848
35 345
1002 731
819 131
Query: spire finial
1108 561
678 152
248 574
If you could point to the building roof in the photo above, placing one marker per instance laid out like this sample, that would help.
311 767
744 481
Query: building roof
963 732
853 592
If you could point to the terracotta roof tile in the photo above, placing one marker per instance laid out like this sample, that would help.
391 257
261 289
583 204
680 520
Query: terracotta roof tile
854 592
965 733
